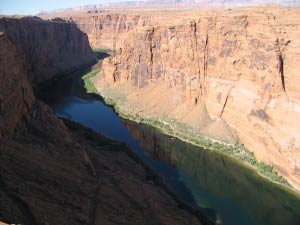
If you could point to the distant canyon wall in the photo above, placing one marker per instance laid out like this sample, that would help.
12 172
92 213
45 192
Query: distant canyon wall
108 30
105 30
33 51
236 70
49 48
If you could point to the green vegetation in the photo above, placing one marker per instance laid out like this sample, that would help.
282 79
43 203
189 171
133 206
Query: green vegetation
88 84
186 133
240 152
215 171
103 50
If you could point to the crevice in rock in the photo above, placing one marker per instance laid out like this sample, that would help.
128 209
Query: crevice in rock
281 70
114 76
194 28
151 58
280 64
194 25
151 52
225 103
205 58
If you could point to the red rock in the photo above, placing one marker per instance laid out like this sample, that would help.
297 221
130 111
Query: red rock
50 48
237 69
16 95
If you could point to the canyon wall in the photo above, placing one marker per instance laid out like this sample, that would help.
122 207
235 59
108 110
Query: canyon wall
16 96
107 30
50 48
34 150
229 75
33 51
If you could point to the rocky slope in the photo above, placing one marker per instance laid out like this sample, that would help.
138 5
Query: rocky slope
54 174
50 48
16 96
229 75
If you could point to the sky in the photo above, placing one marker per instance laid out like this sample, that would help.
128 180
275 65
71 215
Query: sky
31 7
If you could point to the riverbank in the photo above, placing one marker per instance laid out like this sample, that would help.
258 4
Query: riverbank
185 133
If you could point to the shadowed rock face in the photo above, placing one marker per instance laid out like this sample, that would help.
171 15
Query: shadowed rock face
54 174
50 48
108 30
237 69
51 174
105 30
16 95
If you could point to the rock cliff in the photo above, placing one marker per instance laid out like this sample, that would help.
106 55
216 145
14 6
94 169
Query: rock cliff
50 47
107 30
229 75
16 96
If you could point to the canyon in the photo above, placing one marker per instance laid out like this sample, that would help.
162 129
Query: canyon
59 172
226 76
222 85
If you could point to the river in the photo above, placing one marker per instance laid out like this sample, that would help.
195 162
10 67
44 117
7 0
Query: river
224 189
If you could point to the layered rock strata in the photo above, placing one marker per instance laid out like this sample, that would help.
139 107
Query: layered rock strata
230 75
49 47
107 30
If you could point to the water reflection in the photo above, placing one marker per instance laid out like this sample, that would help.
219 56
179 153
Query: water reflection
238 189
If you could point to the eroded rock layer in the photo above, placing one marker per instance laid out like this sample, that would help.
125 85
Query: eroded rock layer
232 74
107 30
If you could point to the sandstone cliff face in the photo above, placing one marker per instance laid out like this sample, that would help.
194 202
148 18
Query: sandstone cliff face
34 50
107 30
50 48
16 96
238 70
